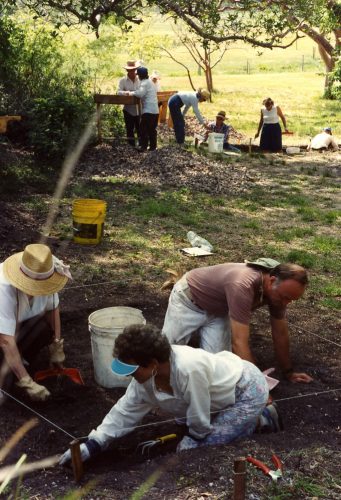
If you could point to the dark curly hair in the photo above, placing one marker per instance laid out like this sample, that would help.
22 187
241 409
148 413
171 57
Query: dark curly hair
141 343
290 272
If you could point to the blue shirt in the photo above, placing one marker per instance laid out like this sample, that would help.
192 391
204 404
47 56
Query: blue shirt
223 129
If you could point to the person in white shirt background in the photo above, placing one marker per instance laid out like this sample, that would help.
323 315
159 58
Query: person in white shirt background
220 396
150 110
323 141
155 78
29 315
130 111
271 136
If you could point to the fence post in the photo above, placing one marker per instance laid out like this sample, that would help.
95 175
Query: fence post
303 62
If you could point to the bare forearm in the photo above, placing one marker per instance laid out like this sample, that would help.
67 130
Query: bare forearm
53 318
240 340
12 356
280 337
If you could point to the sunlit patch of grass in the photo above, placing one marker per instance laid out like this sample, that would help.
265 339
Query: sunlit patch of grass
252 224
308 214
301 257
326 245
331 216
288 235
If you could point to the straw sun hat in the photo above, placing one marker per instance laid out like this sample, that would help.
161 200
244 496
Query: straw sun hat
132 65
35 271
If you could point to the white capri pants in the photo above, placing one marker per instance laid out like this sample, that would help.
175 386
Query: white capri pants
183 318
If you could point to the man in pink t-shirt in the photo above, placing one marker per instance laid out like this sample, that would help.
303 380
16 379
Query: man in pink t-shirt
218 301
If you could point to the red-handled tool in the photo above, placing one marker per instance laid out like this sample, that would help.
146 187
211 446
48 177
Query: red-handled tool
274 474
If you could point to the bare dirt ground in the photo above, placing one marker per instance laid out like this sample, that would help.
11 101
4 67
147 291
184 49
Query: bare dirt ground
309 445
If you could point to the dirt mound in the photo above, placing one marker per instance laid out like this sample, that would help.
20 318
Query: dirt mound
169 166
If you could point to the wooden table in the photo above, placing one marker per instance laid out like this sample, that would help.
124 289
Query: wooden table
113 99
163 98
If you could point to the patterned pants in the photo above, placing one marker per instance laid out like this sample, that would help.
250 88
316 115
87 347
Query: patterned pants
239 420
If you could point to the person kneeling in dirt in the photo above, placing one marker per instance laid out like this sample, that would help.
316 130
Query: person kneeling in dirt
220 396
218 301
29 315
219 127
323 141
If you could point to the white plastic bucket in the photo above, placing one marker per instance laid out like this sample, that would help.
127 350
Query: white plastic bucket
215 142
104 326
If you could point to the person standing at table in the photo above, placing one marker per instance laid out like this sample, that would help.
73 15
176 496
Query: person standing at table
150 110
189 100
271 136
131 115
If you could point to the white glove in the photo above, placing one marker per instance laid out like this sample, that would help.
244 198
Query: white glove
35 391
66 457
89 449
57 355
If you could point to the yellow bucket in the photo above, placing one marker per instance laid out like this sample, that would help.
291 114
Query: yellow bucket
88 220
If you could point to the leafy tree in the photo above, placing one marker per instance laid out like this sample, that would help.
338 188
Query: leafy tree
205 53
56 105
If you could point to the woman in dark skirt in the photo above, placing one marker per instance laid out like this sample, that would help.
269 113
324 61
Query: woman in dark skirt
271 136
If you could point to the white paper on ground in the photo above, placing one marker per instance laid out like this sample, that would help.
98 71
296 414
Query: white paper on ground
195 251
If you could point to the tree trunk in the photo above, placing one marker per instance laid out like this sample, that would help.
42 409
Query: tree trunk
329 63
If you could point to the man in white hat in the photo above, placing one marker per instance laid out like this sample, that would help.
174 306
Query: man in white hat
29 314
131 116
323 141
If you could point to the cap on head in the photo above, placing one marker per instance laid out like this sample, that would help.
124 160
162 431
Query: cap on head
204 94
132 65
142 72
221 114
327 129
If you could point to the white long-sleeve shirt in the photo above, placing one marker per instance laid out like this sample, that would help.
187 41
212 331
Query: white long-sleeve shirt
202 382
190 100
148 95
124 85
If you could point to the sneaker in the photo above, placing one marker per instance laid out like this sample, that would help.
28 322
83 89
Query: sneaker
270 419
186 443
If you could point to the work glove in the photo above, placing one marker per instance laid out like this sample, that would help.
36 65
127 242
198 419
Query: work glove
35 391
89 449
57 355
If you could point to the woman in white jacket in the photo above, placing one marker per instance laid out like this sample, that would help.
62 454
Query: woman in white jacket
220 396
150 110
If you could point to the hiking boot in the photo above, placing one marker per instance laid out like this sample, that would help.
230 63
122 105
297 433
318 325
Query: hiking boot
270 419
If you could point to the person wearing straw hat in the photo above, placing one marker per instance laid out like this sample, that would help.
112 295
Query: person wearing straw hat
189 100
219 396
219 127
29 314
130 112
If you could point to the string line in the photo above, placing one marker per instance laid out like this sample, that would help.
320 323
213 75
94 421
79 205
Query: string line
38 414
159 422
